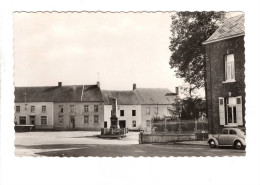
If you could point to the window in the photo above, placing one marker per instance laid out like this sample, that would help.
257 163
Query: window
230 111
133 112
232 117
72 108
229 68
148 123
60 119
22 120
155 110
61 108
147 110
85 108
232 132
17 109
32 108
44 108
95 108
86 118
96 119
43 120
224 131
133 123
122 112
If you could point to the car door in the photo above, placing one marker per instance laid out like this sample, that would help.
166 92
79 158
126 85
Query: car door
224 137
232 136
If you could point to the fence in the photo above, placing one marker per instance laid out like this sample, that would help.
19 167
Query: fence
196 126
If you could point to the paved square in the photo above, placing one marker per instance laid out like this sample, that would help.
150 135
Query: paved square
85 143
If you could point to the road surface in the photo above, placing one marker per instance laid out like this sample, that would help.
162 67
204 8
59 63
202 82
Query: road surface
82 143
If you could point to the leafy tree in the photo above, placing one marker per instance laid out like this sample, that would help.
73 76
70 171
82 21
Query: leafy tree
192 107
176 108
189 31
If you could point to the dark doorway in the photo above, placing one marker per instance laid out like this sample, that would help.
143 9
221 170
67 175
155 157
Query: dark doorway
22 120
105 124
72 121
32 120
122 124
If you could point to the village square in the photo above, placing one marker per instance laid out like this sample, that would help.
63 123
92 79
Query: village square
146 120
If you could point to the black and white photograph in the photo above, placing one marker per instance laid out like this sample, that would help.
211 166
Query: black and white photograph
133 92
129 84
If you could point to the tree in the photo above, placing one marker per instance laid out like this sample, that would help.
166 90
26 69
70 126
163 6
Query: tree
189 31
176 108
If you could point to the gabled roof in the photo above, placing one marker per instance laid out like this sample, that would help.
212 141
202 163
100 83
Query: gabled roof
155 96
72 93
140 96
123 97
232 27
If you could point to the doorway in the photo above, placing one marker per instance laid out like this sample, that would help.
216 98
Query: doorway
32 120
72 121
122 123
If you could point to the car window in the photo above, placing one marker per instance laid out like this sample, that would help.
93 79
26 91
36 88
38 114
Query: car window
233 132
224 131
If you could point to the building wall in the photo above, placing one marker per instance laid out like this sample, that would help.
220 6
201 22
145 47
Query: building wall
215 76
127 115
79 116
162 111
25 110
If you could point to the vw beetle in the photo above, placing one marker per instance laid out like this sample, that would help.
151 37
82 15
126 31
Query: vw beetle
229 137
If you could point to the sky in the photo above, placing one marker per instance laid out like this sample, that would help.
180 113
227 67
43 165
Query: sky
117 49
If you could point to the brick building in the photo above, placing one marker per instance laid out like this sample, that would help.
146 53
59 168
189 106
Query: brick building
225 59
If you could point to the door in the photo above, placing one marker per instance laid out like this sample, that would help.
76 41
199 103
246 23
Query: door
232 136
223 137
32 120
122 124
72 121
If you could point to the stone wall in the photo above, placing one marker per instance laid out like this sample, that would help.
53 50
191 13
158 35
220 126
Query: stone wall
165 138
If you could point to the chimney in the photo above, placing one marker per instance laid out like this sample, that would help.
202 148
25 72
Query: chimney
134 86
177 90
98 84
59 84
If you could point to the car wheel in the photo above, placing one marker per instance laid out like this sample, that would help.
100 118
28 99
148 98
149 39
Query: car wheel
238 145
212 143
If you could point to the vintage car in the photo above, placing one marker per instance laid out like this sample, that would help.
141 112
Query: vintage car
229 137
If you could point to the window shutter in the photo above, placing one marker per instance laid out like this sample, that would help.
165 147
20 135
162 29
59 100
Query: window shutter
239 111
221 110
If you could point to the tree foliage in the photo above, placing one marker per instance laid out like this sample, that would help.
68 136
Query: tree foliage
189 31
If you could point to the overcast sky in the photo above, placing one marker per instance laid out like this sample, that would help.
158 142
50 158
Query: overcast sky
123 48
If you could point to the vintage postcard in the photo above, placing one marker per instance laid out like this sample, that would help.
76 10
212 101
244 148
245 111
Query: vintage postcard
112 84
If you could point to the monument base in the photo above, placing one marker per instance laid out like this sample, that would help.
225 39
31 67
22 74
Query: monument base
113 132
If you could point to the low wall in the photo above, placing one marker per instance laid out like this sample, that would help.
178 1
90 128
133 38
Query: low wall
165 138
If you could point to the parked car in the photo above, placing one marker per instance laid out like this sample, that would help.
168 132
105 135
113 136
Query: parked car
229 137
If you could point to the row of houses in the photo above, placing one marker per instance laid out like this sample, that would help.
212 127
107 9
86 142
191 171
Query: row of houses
87 107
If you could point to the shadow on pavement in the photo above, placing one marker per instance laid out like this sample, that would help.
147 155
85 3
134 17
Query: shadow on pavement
146 150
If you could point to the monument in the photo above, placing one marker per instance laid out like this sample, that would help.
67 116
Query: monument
114 131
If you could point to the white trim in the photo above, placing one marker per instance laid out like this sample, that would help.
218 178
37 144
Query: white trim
229 81
217 40
82 93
